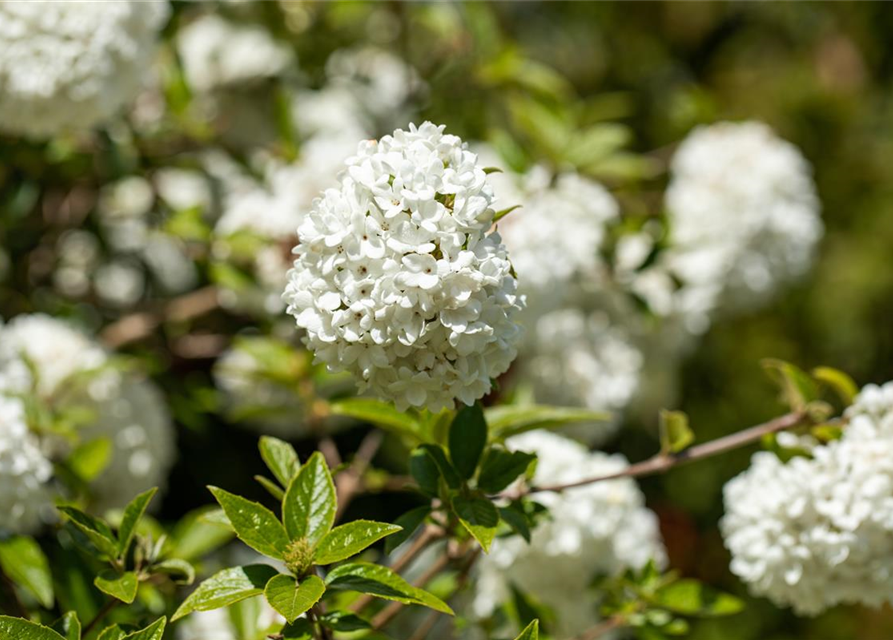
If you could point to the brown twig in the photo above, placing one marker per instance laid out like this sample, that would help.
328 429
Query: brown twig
428 624
664 462
349 483
139 325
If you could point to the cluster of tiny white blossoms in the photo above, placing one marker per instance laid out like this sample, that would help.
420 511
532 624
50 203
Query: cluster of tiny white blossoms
64 368
396 278
69 65
593 530
816 532
743 214
25 495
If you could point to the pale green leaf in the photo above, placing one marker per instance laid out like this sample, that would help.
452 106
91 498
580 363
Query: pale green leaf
693 598
381 414
531 631
308 509
23 562
68 626
291 598
843 384
381 582
97 531
349 539
129 521
154 631
227 587
181 571
675 434
123 586
480 518
280 457
90 459
20 629
254 524
509 420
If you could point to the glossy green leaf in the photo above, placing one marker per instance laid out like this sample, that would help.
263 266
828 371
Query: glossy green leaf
693 598
97 531
227 587
381 414
309 505
509 420
408 522
280 457
129 521
349 539
531 631
424 471
114 632
123 586
500 468
840 382
154 631
292 598
90 459
68 626
23 562
381 582
254 524
467 439
21 629
447 471
675 434
480 518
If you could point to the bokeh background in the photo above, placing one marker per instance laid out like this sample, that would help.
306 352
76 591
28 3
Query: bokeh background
821 74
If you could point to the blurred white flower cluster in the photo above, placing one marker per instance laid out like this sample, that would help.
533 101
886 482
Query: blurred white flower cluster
68 65
396 279
594 530
816 532
65 371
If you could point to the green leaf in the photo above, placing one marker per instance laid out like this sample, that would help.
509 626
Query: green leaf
408 522
90 459
499 215
531 632
299 630
517 520
254 524
308 509
500 468
480 517
424 471
194 537
446 469
181 571
280 457
349 539
468 437
227 587
291 598
344 621
97 531
114 632
23 561
381 414
123 586
132 514
690 597
675 434
68 626
381 582
509 420
154 631
798 388
271 487
21 629
843 384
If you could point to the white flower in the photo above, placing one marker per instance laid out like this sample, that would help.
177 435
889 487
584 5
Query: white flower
26 498
70 65
396 279
119 283
743 213
64 368
817 532
597 529
217 53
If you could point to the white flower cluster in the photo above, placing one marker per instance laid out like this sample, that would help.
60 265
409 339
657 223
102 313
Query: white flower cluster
396 279
597 529
25 495
70 65
217 53
743 213
65 369
817 532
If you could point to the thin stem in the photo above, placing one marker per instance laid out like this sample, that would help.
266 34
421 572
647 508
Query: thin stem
349 483
663 462
106 608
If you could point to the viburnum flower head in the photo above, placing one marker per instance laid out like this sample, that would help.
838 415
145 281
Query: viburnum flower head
396 278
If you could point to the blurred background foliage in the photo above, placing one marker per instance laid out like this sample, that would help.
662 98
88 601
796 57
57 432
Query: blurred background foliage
606 87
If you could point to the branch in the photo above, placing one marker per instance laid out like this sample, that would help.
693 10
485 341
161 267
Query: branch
662 462
137 326
347 484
